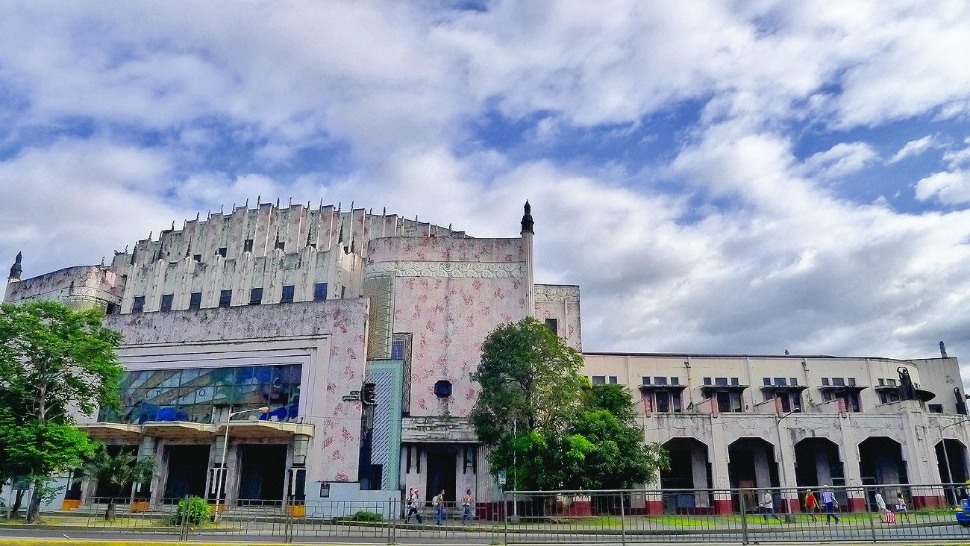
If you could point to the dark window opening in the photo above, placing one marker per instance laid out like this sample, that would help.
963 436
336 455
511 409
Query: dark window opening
222 252
613 380
553 325
195 300
935 408
397 349
442 389
320 291
288 292
167 302
225 298
256 296
110 309
197 257
281 245
248 245
599 379
138 305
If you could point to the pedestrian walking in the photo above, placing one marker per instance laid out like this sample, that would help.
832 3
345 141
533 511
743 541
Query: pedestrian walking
466 506
828 499
439 507
880 504
811 505
767 506
412 505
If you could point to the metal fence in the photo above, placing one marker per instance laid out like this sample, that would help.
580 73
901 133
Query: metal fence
906 513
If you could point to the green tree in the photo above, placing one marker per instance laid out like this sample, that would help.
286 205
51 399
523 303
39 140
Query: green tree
54 363
529 381
547 427
121 469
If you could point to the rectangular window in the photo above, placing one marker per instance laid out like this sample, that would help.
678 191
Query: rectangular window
255 296
793 381
780 382
197 257
645 380
852 382
397 349
225 298
734 381
707 380
766 380
675 403
882 381
248 245
167 302
663 402
721 381
281 245
553 324
935 408
838 381
891 382
288 292
827 396
222 252
110 309
613 380
195 300
675 381
888 397
320 291
138 305
599 379
659 380
825 381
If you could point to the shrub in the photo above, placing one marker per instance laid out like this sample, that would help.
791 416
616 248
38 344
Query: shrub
364 515
192 511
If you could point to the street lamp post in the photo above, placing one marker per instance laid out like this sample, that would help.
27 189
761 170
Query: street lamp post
221 472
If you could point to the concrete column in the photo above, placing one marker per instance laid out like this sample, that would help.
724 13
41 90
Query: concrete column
718 455
849 451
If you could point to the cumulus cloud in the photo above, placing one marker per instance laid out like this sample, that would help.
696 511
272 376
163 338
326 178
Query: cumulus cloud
730 238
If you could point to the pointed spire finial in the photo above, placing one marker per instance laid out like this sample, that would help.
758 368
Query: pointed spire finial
527 222
16 269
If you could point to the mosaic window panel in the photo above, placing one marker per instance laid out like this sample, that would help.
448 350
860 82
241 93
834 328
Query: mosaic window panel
202 394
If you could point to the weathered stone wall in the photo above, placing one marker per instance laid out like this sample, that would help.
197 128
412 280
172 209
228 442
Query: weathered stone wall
80 287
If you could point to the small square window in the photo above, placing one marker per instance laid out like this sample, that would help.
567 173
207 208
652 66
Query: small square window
734 381
248 245
659 380
780 382
766 380
793 381
281 245
138 305
827 396
222 252
255 296
197 257
645 380
852 382
553 324
320 291
195 300
825 381
838 381
225 298
935 408
167 302
675 381
613 380
882 382
707 380
288 292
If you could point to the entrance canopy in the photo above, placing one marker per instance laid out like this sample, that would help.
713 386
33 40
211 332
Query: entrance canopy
188 430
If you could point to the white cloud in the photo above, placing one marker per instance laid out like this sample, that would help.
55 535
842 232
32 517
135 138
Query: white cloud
951 187
912 148
839 161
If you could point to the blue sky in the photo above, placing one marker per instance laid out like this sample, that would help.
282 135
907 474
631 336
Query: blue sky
730 177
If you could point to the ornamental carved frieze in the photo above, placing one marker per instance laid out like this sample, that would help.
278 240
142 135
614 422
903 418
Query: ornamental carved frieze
478 270
552 293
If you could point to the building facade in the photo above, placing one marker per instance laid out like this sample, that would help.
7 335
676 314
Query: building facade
315 354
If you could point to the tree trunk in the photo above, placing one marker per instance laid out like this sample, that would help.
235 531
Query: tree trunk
18 501
33 511
109 514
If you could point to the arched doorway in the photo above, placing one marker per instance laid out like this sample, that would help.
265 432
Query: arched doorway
751 466
956 455
687 483
817 463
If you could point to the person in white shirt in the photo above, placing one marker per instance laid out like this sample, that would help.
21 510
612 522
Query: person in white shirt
828 499
767 506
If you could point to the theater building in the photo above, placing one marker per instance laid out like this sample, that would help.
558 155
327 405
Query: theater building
316 354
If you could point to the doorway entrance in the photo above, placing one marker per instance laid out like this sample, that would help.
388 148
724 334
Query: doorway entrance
262 474
442 474
187 469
